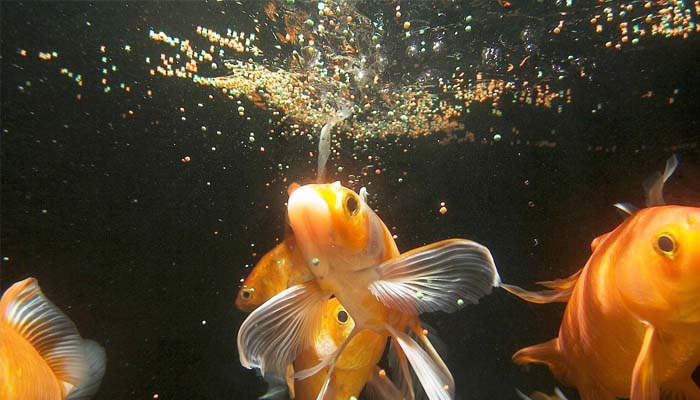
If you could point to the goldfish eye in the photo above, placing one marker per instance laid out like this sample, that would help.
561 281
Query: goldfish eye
352 205
342 316
666 245
246 293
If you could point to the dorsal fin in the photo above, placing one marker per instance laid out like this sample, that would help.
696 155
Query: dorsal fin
54 336
626 209
597 241
654 185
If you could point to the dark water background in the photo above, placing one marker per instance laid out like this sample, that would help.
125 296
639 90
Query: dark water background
138 249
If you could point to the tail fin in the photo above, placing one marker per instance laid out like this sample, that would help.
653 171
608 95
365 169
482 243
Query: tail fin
433 375
96 362
547 353
76 362
559 290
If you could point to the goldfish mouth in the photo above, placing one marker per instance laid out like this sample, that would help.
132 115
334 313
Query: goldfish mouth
309 214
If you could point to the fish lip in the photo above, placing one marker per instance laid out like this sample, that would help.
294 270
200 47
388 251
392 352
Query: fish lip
309 215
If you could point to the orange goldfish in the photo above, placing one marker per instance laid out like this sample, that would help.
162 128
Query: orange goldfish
353 257
632 322
283 266
278 269
42 355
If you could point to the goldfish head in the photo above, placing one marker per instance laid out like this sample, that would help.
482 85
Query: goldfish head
269 277
657 264
336 228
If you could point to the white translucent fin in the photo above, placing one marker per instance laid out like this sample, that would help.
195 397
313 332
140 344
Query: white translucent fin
380 387
430 350
54 336
626 209
272 335
436 381
276 388
402 377
96 362
441 276
654 185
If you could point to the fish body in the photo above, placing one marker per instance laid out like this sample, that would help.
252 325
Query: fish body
632 322
284 266
355 365
42 356
353 257
343 237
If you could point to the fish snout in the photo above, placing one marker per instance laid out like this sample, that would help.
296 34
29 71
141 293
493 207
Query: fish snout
309 213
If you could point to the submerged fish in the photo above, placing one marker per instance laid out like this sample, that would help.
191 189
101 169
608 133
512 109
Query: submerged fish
42 355
353 257
283 266
278 269
632 322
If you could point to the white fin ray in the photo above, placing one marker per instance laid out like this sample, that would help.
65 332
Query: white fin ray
436 381
25 308
402 375
96 362
441 276
273 335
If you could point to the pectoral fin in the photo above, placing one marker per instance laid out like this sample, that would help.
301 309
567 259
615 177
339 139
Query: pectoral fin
54 336
441 276
645 385
96 363
272 335
547 353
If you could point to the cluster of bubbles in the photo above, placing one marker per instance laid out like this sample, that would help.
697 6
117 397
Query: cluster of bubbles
399 75
403 69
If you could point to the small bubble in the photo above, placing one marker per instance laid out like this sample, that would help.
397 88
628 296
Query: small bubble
460 302
315 261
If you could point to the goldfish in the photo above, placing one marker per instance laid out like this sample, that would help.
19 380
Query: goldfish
42 355
632 321
283 266
353 257
278 269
